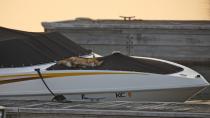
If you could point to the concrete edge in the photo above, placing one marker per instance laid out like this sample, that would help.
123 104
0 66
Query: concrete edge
109 112
12 109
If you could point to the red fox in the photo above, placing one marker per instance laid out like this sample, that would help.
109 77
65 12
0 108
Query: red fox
80 62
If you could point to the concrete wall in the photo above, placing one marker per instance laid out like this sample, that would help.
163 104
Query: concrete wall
171 40
187 42
171 45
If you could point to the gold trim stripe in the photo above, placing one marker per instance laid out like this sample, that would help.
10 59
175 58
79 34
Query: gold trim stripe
25 77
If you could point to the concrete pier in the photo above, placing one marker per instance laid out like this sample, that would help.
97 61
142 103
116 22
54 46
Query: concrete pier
111 109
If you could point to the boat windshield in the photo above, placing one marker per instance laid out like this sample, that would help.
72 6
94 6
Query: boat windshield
118 62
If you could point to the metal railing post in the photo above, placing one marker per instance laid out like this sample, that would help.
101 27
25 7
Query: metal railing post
2 112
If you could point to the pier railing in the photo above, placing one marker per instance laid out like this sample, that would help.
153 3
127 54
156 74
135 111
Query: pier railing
2 112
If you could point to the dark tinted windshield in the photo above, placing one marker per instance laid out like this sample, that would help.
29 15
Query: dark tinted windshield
121 62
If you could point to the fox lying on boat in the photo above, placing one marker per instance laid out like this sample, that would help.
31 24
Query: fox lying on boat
80 62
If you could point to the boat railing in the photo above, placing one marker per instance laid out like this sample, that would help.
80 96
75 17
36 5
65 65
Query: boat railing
2 112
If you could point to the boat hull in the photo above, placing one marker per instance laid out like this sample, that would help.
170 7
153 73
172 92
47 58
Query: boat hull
163 95
101 86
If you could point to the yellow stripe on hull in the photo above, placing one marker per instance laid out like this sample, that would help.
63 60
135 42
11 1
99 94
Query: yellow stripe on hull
24 77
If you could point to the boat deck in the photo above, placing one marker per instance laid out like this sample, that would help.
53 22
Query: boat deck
109 109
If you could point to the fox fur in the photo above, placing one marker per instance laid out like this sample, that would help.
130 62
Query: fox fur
80 62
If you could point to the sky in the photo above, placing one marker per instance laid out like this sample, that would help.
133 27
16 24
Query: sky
28 14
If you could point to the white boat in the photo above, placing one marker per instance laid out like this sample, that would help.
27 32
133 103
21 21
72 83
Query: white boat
118 78
177 85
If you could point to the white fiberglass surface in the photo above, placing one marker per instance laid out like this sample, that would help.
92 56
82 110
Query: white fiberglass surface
24 69
187 72
101 83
